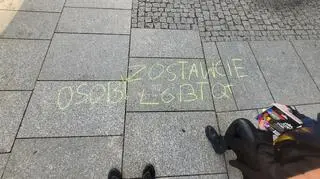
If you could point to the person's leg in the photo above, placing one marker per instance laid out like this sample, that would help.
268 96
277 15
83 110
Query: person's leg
216 140
114 174
240 128
149 172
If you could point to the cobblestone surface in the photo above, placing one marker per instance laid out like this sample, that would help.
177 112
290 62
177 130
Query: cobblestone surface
227 20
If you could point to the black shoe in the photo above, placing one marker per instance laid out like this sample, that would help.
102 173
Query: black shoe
114 174
149 172
216 140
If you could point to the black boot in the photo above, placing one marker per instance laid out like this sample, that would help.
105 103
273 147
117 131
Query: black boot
149 172
114 174
216 140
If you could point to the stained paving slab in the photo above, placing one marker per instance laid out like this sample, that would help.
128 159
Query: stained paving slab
20 63
12 105
86 57
173 142
29 25
84 157
117 4
82 20
75 109
33 5
285 73
3 162
309 52
165 43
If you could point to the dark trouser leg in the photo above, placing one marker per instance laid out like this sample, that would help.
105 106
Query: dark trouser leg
240 131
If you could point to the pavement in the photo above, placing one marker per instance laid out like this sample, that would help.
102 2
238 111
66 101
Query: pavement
86 86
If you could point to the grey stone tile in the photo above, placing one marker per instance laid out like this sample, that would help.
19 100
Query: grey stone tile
287 78
221 89
33 5
174 142
83 20
88 157
3 162
75 109
310 110
309 52
12 105
168 84
30 25
216 176
86 57
249 87
165 43
225 119
20 63
121 4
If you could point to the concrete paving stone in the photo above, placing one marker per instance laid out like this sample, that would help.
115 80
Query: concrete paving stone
310 110
30 25
224 120
249 87
175 143
86 57
168 85
12 105
221 89
285 73
87 157
83 20
33 5
216 176
3 162
75 109
20 63
121 4
165 43
309 51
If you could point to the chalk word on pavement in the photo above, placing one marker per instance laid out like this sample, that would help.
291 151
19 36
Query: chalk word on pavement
91 94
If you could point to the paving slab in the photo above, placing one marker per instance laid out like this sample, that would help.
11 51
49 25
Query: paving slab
33 5
216 176
173 142
221 88
75 109
29 25
120 4
20 63
168 85
3 162
285 73
82 20
88 157
309 51
165 43
249 87
86 57
310 110
225 119
12 105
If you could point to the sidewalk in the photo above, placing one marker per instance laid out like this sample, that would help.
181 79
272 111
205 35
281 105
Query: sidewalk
86 86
